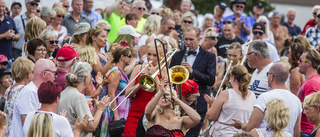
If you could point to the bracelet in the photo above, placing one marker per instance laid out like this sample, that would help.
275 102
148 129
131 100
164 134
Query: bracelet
100 86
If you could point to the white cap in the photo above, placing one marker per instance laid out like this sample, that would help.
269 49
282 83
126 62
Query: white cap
128 29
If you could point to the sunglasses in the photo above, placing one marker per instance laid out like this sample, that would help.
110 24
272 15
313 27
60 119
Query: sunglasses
185 21
228 22
55 72
300 60
32 4
38 11
53 41
276 12
318 16
239 6
107 30
60 16
258 32
264 23
268 73
171 28
212 37
66 7
130 56
140 8
155 13
314 13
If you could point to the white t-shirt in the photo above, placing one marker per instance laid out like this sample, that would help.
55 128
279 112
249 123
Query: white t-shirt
26 102
273 53
259 82
292 101
62 31
61 126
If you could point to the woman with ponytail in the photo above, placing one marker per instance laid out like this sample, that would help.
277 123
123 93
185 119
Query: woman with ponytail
277 115
232 103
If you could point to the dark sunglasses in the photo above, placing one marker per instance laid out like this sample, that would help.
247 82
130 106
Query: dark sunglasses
66 7
258 32
212 37
155 13
264 23
60 16
52 18
53 41
318 16
130 56
239 6
171 28
55 72
32 4
38 11
107 30
140 8
185 21
228 22
314 13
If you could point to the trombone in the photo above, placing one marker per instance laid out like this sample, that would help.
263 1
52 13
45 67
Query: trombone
248 42
146 82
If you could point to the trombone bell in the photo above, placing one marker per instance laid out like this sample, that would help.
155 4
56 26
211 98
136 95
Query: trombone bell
147 83
178 74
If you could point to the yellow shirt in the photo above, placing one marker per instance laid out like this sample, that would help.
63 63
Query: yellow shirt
114 21
139 27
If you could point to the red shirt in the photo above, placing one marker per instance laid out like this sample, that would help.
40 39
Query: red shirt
61 79
309 86
310 23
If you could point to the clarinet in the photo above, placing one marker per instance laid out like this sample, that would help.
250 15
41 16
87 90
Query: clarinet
185 55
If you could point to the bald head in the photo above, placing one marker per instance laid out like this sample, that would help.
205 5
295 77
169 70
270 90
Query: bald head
280 71
41 65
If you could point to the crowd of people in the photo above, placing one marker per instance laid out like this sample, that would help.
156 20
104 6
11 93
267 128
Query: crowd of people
70 70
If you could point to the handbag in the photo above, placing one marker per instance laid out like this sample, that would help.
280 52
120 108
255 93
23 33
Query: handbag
117 127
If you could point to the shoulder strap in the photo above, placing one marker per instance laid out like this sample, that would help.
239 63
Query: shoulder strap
24 26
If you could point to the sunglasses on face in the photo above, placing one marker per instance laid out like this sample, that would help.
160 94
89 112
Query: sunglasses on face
66 7
54 72
318 16
228 22
140 8
314 13
107 30
240 6
212 37
154 13
258 32
32 4
38 11
53 41
264 23
185 21
60 16
171 28
130 56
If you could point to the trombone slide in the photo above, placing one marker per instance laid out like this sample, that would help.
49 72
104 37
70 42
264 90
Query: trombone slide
227 72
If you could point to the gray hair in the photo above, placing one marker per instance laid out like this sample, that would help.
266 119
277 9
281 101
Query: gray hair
79 71
47 34
65 64
261 47
291 9
134 4
101 23
46 11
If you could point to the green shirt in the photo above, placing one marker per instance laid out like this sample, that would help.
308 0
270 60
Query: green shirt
114 21
139 27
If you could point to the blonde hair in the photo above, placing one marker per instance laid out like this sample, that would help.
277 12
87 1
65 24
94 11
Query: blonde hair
47 34
277 115
41 126
33 28
21 67
87 54
312 100
167 11
60 11
187 15
209 32
159 46
267 28
176 111
95 31
152 25
102 23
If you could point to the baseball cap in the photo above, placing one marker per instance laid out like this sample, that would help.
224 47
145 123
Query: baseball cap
27 1
3 59
259 4
66 53
4 72
261 26
128 29
80 28
16 3
222 5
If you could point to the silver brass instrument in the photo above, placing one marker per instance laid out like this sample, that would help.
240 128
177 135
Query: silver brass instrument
248 42
145 81
227 72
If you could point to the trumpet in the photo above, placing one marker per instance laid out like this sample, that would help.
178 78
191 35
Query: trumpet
146 82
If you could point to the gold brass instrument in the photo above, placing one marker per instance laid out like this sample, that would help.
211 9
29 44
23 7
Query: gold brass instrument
146 82
244 57
178 74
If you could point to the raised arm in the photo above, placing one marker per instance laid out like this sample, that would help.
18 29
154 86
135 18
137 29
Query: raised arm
193 117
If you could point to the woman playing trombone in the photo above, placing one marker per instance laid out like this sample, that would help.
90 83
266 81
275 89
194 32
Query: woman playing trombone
163 119
142 97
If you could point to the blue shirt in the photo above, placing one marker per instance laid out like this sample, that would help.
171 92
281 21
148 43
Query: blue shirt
252 20
246 22
6 45
20 22
93 17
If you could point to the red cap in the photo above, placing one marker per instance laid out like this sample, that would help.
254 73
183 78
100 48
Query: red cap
66 53
3 58
189 87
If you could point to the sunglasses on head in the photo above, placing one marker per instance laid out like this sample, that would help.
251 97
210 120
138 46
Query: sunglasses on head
185 21
155 13
140 8
276 12
32 4
171 28
53 41
60 16
228 22
258 32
